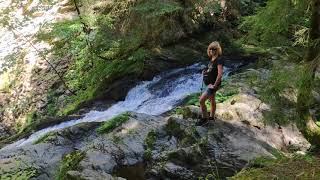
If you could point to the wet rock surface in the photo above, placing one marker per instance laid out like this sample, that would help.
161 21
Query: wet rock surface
172 147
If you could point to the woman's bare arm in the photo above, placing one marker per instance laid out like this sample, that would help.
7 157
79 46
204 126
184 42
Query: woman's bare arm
219 77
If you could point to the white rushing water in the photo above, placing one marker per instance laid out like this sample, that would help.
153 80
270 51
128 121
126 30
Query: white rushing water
154 97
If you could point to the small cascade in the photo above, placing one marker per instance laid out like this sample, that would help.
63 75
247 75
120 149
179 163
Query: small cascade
154 97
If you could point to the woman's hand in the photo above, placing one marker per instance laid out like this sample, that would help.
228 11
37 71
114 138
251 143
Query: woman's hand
204 72
211 86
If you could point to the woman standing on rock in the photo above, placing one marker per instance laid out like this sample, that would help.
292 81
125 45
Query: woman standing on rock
212 78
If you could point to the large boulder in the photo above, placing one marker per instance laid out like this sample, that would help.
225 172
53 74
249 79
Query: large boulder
173 146
103 153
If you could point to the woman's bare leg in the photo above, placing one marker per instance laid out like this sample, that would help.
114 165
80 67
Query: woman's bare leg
213 105
203 106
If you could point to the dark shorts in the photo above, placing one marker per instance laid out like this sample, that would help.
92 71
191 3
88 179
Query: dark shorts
210 92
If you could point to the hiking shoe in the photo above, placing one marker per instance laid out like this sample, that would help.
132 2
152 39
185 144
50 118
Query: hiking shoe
202 122
212 119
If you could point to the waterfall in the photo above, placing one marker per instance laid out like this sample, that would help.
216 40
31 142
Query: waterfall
154 97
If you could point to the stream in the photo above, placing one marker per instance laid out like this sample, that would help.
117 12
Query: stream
155 97
162 94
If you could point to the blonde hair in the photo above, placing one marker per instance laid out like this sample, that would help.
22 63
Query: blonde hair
217 53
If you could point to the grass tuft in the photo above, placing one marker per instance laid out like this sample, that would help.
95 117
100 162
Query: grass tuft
69 162
149 141
44 138
113 123
296 167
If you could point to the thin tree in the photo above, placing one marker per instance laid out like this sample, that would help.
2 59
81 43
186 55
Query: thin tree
17 32
311 61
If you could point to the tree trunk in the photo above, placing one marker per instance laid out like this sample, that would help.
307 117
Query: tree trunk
311 61
314 34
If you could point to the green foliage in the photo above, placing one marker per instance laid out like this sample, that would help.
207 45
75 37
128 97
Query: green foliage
88 75
117 139
214 8
173 129
115 43
20 171
149 141
69 162
280 91
44 137
68 33
157 8
304 85
193 99
223 97
32 120
69 40
101 75
188 140
178 110
113 123
298 166
148 153
278 23
24 174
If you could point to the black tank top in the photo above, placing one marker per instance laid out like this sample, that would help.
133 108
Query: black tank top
212 71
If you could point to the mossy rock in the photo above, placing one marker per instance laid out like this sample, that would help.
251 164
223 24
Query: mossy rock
173 128
150 142
183 156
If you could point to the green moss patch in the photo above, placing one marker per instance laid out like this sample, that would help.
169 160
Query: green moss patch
193 99
44 137
149 141
24 174
173 129
69 162
113 123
